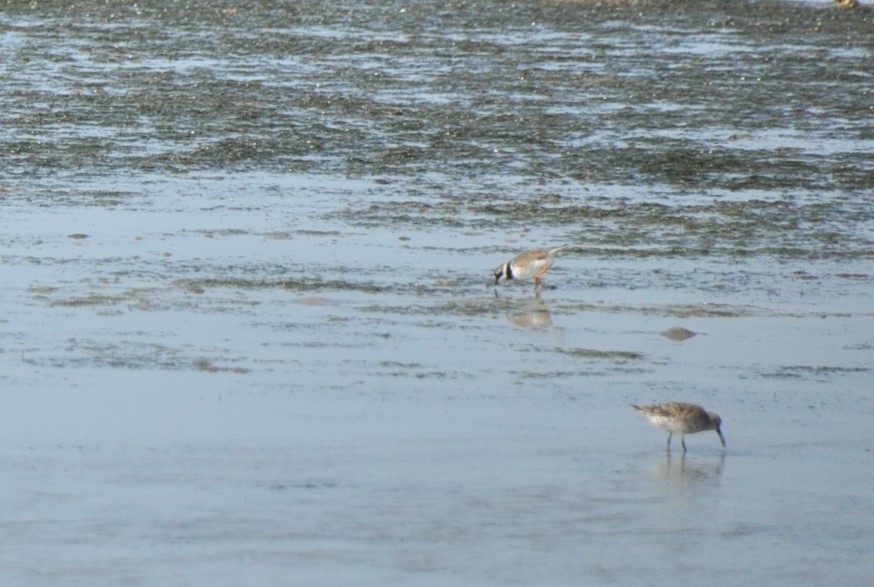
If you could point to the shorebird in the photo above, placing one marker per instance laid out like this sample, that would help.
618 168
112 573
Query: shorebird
528 265
681 418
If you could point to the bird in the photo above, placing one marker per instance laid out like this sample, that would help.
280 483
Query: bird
846 3
528 265
682 418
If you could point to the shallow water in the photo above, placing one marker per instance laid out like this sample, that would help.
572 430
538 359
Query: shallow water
249 332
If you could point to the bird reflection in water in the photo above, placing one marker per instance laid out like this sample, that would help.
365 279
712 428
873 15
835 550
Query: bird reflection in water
679 472
531 313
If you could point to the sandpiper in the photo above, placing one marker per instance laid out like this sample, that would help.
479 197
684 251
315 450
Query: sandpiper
681 418
528 265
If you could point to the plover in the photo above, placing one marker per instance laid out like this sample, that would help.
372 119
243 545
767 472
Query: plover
528 265
681 418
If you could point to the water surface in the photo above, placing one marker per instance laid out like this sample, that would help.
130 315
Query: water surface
249 332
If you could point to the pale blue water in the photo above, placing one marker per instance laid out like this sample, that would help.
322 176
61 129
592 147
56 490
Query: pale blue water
231 359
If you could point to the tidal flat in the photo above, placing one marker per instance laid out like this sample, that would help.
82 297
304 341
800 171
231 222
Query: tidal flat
249 332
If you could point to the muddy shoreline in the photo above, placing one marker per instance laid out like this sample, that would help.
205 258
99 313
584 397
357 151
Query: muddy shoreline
249 332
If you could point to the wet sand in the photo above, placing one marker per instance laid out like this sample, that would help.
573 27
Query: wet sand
249 333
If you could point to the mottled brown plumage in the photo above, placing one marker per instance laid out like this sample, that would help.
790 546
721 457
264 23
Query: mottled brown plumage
681 418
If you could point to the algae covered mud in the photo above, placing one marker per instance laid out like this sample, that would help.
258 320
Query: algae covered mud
248 328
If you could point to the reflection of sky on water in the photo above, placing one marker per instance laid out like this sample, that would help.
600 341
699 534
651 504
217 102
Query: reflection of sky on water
274 341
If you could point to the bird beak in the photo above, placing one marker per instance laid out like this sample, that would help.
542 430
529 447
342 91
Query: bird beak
721 437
